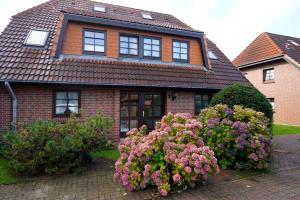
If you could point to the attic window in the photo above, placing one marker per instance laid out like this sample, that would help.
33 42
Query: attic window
212 56
147 16
99 8
37 38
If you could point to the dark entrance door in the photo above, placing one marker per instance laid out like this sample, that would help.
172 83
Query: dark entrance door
139 108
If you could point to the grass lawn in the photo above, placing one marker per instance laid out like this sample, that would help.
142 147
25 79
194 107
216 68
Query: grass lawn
285 129
107 154
5 176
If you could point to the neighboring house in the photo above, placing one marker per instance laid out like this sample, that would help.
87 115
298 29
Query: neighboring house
272 64
134 65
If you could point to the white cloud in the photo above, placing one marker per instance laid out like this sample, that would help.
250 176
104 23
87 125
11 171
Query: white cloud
231 25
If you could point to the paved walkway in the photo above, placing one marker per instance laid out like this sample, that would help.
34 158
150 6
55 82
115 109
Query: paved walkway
282 183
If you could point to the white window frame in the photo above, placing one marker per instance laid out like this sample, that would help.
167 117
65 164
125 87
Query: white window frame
99 8
43 43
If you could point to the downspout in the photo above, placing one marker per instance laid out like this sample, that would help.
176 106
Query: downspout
14 106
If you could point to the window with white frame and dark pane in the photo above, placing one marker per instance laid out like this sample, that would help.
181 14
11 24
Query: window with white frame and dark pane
201 102
93 42
152 47
129 45
66 103
268 74
180 51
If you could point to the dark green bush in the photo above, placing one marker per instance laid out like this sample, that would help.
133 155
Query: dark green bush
246 96
49 147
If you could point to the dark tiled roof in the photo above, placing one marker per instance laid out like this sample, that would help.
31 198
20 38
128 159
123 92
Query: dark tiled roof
23 64
267 46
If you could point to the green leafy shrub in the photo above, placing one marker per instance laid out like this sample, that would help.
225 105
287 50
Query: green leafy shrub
172 155
54 148
240 137
246 96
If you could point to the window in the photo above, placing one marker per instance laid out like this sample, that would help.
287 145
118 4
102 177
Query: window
147 16
66 102
93 42
37 38
152 47
201 102
99 8
268 74
129 45
212 55
180 51
272 102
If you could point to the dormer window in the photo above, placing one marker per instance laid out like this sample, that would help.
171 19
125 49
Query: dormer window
212 55
99 8
36 38
147 16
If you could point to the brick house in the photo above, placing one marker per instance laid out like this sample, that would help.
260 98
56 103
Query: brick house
134 65
272 64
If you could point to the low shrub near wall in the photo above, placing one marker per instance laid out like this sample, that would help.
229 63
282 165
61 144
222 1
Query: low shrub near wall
173 155
240 137
48 147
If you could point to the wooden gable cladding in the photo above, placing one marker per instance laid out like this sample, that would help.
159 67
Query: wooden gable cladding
73 42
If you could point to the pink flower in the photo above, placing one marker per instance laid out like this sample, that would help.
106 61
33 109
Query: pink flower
253 156
176 178
188 169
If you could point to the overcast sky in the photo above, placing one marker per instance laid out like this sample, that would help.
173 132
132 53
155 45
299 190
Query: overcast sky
231 24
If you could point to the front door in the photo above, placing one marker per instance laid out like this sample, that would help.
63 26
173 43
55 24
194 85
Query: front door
139 108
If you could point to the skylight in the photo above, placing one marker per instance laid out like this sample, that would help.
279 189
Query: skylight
99 8
147 16
36 37
211 55
294 43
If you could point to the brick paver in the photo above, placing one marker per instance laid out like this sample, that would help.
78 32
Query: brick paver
282 183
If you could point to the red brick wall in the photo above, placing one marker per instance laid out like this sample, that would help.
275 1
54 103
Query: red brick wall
73 42
36 102
285 89
184 103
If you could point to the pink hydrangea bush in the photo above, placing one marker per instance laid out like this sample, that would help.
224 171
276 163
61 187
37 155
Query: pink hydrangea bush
240 137
172 155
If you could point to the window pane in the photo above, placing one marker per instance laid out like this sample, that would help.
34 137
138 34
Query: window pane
149 124
155 48
205 97
124 111
147 53
176 50
147 41
155 54
73 103
73 95
61 95
37 37
155 42
89 34
183 45
73 109
123 51
183 57
99 35
99 48
124 126
184 51
156 99
147 47
133 111
124 97
176 55
99 42
61 102
89 47
133 124
124 44
124 39
132 46
88 41
133 52
60 110
176 44
132 39
157 111
147 111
